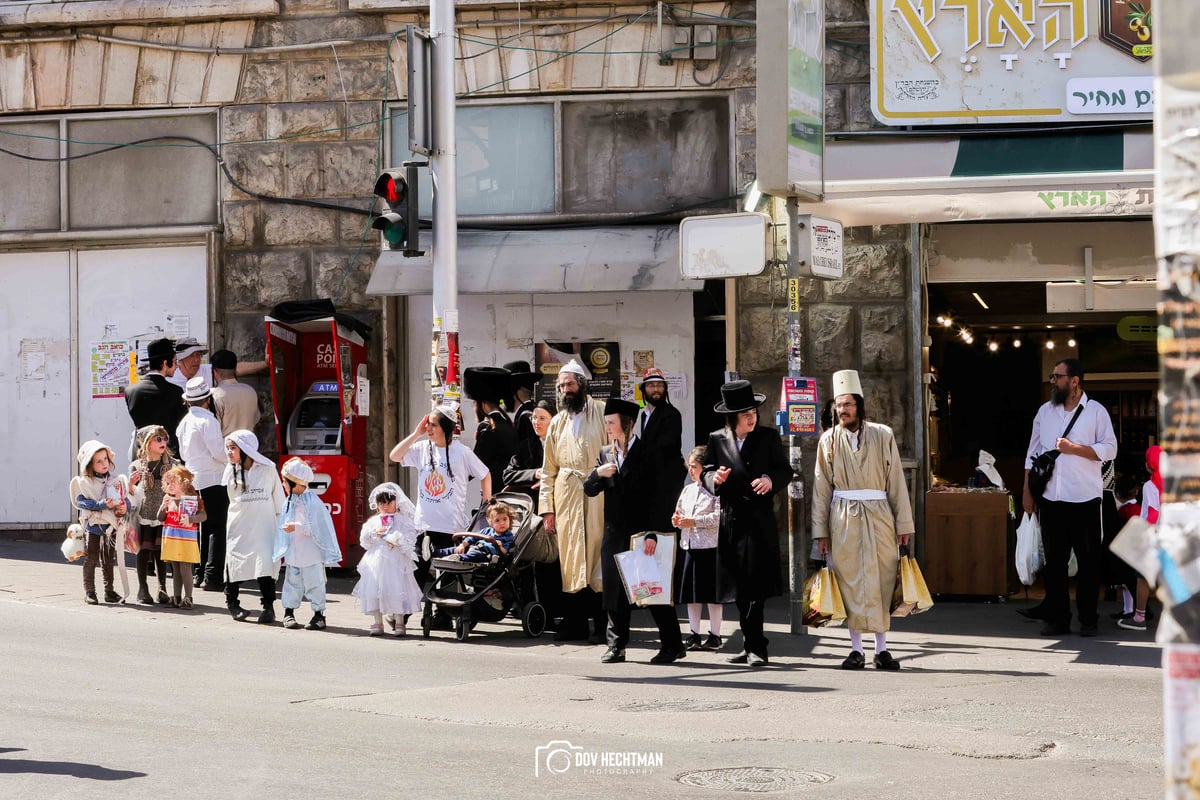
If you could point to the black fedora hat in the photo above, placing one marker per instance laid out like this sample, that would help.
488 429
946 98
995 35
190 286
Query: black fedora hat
160 348
521 376
738 396
615 405
486 383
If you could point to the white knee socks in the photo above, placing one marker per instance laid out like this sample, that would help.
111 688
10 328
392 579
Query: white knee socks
715 613
856 641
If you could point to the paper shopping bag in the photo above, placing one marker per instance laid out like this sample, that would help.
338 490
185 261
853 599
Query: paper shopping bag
822 600
916 593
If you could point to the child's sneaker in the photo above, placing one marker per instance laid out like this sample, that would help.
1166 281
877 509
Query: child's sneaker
375 630
401 629
111 597
90 598
693 642
713 642
289 619
317 623
1132 624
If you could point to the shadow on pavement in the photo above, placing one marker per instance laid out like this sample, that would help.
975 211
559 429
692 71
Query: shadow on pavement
95 772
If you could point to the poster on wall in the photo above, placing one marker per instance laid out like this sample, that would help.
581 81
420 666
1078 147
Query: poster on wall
109 369
601 359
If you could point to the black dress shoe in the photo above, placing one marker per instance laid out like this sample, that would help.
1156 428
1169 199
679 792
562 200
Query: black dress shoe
884 660
740 658
267 616
855 660
1050 629
90 598
1034 612
238 613
1088 630
756 660
666 656
613 655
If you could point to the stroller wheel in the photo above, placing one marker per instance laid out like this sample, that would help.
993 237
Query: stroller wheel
533 619
462 628
426 624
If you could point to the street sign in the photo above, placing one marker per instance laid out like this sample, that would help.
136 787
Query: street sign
723 245
420 90
816 245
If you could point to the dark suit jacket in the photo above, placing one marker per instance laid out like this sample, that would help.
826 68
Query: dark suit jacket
523 419
749 537
154 400
627 504
520 475
663 437
495 443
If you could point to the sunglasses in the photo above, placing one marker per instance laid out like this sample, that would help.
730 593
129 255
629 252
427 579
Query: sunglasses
162 439
385 497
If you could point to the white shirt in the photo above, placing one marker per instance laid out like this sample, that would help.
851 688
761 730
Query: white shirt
1076 479
205 372
1151 499
442 502
201 446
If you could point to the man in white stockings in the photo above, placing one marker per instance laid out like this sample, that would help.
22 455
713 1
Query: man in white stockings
861 514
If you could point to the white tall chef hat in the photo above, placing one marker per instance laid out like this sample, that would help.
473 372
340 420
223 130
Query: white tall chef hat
846 382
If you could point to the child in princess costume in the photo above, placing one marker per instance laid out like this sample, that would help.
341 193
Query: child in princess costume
387 585
307 543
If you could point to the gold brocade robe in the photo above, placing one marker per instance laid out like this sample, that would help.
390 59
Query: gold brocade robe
578 519
862 533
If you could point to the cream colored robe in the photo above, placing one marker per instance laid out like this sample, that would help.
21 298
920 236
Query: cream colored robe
862 533
579 519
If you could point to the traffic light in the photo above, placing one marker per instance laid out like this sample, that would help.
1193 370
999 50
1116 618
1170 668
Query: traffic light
400 223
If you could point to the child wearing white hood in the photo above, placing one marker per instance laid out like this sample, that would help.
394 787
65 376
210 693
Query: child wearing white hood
255 500
387 585
102 498
307 542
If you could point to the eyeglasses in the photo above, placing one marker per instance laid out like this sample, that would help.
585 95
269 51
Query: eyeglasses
1055 376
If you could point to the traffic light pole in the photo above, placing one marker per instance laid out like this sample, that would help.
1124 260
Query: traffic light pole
444 170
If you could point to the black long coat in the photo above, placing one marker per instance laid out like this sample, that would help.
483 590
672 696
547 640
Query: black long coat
663 438
495 443
154 400
749 538
627 504
520 474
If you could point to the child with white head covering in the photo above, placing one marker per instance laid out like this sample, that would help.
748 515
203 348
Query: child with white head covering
387 585
102 498
307 542
255 500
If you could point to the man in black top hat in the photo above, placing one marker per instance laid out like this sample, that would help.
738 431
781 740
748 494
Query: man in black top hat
154 399
496 437
522 381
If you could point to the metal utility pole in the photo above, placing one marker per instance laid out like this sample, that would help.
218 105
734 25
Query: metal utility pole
444 170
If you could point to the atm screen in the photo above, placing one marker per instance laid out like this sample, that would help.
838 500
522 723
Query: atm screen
320 413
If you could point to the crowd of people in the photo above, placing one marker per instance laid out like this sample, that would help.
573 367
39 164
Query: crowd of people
598 471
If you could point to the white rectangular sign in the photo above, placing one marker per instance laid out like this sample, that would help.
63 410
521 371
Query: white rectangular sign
723 245
819 247
938 62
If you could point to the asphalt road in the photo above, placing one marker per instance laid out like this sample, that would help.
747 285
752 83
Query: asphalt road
144 702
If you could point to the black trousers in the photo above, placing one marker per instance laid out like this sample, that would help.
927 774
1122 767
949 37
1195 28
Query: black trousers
750 618
1067 527
664 617
212 534
266 587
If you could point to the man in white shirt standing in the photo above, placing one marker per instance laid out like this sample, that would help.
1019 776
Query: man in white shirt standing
1069 508
202 448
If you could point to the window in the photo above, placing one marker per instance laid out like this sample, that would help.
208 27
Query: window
632 155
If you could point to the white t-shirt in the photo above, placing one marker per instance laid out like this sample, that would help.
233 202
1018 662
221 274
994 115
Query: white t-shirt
205 372
442 502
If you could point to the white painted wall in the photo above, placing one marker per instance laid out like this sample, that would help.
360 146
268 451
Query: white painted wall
495 329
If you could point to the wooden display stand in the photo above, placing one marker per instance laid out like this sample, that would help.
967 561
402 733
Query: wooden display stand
966 542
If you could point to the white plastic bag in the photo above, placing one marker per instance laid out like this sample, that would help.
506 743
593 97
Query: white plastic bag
1029 549
640 574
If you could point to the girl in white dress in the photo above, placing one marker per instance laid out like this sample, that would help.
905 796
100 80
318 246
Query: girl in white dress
387 585
255 500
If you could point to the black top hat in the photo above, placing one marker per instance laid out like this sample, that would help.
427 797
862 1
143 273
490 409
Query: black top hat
738 396
160 348
615 405
521 376
486 383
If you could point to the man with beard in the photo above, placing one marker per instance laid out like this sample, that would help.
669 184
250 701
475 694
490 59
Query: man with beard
1069 508
660 429
572 446
860 513
496 437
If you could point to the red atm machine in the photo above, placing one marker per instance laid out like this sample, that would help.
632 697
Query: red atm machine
321 396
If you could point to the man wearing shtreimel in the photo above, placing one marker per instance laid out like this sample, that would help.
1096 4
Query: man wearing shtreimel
860 514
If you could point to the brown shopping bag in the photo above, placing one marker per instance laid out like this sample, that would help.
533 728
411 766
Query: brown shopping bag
822 601
911 595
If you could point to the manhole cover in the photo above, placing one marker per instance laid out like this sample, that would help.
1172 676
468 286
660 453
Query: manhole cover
683 705
754 779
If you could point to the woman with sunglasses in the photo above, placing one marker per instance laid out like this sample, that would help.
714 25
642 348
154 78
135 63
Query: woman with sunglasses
153 460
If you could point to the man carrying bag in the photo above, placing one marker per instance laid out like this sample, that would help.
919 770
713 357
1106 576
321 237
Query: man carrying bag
1069 503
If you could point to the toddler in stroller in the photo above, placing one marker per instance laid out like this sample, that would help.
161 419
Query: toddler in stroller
485 577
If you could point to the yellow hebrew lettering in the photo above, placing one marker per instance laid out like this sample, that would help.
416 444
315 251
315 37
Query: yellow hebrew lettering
972 21
1002 18
918 26
1075 15
1049 31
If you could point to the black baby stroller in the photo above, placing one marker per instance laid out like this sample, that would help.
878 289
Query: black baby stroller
487 591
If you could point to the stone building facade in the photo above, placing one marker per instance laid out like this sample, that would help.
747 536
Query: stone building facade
302 88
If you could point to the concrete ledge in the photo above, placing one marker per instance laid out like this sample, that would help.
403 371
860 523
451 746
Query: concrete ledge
40 13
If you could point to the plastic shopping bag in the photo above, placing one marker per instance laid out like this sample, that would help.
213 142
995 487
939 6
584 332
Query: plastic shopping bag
640 574
1029 549
822 600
